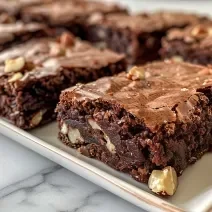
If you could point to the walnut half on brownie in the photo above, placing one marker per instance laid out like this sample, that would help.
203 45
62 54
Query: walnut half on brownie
153 121
32 78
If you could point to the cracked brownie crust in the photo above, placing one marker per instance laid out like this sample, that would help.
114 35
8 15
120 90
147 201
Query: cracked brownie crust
139 125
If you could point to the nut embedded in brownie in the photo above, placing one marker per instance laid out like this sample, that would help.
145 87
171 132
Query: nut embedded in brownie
138 36
156 117
192 44
30 85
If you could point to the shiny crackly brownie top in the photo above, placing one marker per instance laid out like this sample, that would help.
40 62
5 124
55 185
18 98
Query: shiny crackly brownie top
65 11
66 51
146 22
199 35
47 57
157 93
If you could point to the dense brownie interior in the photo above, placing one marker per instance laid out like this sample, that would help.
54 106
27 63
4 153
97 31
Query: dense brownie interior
137 126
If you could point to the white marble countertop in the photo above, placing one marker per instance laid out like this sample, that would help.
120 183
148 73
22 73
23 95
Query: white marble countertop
31 183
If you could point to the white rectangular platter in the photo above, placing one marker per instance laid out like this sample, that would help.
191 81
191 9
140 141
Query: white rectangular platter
194 192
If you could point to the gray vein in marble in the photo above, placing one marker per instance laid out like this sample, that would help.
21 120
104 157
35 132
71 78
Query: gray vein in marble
57 190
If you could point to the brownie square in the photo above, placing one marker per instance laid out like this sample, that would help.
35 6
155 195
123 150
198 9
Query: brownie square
12 32
138 36
35 73
156 116
192 44
68 13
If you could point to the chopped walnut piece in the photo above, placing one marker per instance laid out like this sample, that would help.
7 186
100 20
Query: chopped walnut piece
75 136
163 182
110 146
136 73
67 39
56 49
15 77
201 32
64 128
177 59
37 118
14 65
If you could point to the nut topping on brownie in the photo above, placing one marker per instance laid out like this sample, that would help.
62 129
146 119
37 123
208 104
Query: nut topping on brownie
200 32
14 65
15 77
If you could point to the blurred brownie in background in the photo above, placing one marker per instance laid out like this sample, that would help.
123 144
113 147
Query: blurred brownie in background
12 32
193 44
14 7
68 13
35 72
138 36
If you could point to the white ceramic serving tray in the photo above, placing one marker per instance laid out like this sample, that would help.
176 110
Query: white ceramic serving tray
195 185
194 192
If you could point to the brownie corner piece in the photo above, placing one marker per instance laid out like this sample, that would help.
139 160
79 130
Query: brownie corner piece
154 117
191 44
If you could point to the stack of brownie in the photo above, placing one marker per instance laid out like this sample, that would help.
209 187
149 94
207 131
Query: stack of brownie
151 122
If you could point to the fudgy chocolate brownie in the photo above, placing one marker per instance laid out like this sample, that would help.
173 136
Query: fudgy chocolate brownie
30 85
68 13
193 44
14 7
155 116
12 32
138 36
